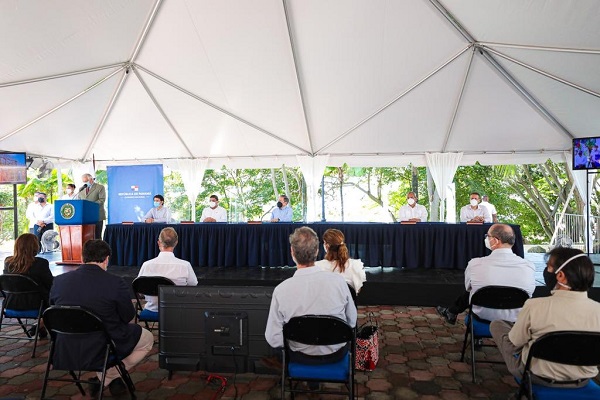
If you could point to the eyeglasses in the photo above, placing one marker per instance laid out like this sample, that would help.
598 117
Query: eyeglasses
489 236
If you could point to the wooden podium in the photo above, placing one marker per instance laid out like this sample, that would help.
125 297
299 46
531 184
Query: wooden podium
76 220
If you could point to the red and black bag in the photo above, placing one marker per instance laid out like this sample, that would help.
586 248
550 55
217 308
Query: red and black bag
367 345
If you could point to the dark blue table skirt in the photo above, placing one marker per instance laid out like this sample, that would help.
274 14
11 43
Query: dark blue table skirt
423 245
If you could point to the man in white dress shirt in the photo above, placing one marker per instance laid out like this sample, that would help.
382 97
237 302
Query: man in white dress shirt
491 208
29 211
412 211
214 212
475 212
167 265
43 216
159 213
501 268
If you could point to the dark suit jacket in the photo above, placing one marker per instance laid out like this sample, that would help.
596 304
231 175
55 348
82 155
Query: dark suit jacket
106 295
40 273
97 194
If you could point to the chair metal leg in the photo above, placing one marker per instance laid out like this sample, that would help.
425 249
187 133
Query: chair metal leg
464 348
47 373
77 383
473 356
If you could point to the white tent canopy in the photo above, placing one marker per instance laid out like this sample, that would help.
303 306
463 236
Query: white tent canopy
258 83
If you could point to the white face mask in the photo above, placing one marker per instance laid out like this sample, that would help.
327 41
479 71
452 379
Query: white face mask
410 201
474 202
487 243
212 204
69 191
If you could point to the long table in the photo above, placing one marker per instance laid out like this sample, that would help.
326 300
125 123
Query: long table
422 245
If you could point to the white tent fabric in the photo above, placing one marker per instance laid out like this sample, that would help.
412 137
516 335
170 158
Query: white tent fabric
443 167
312 169
192 174
254 84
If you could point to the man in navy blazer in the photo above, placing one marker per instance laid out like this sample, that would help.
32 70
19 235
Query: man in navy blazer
108 296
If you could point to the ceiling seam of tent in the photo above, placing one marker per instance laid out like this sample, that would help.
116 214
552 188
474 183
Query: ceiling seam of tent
216 107
105 116
297 73
61 75
145 31
458 101
401 95
507 75
544 73
162 112
64 103
540 48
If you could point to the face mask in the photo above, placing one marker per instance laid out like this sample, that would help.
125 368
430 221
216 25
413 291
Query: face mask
42 200
410 201
69 191
156 203
279 204
474 202
550 278
487 243
212 204
86 184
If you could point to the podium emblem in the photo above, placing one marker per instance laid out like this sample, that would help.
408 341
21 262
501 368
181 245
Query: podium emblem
67 211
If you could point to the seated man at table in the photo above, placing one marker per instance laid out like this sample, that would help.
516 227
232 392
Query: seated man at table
501 268
168 266
283 212
475 212
412 211
159 213
214 212
569 275
311 290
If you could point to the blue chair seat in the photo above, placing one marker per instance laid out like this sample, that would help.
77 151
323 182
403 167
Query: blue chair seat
21 313
147 315
337 371
480 328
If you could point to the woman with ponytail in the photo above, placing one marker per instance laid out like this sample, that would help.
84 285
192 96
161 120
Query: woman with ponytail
338 260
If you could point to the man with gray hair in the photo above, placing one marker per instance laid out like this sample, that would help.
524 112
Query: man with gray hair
95 192
310 291
168 266
501 268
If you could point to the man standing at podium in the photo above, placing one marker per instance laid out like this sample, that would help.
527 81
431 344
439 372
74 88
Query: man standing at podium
95 192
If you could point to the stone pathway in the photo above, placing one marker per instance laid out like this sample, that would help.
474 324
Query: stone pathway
419 359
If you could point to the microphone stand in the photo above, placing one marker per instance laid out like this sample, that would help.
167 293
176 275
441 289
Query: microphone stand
265 214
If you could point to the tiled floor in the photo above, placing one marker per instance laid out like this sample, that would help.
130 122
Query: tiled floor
419 359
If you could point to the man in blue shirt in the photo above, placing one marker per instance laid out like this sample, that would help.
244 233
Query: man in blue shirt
283 212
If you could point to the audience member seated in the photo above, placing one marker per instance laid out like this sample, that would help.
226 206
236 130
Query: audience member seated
168 266
501 268
108 296
569 274
214 212
159 213
338 260
24 262
310 291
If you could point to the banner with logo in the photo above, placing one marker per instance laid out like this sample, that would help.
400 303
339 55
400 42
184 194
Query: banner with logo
131 190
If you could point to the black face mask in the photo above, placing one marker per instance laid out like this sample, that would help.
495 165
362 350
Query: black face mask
549 279
42 200
279 204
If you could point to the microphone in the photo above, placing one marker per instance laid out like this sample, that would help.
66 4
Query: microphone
79 191
265 214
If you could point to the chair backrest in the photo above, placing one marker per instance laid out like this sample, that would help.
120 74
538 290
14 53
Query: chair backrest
318 330
148 285
567 347
72 320
499 297
18 284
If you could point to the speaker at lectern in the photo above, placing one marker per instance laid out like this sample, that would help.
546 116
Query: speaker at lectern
76 220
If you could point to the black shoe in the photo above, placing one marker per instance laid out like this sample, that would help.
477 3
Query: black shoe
94 387
42 334
314 386
448 316
478 344
117 387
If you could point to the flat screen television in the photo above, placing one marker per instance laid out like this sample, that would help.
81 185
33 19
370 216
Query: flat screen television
586 153
13 168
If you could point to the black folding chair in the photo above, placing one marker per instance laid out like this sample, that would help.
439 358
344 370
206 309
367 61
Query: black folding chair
563 347
496 297
148 286
81 343
26 301
318 330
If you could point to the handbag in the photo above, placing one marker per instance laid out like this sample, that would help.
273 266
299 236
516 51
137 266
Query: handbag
367 344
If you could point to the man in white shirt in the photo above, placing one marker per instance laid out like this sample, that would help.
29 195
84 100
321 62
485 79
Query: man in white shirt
214 212
43 216
159 213
29 211
491 208
412 211
501 268
167 265
475 212
310 291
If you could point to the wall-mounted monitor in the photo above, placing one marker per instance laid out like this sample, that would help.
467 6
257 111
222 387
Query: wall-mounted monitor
586 153
13 168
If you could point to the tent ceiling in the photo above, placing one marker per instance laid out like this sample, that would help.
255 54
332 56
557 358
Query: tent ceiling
257 83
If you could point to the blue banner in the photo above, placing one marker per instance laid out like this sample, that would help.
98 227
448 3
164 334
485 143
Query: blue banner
131 190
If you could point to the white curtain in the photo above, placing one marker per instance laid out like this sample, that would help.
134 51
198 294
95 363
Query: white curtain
192 174
584 186
312 168
443 167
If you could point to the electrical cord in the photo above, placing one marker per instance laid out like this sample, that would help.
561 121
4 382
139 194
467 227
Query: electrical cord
234 372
